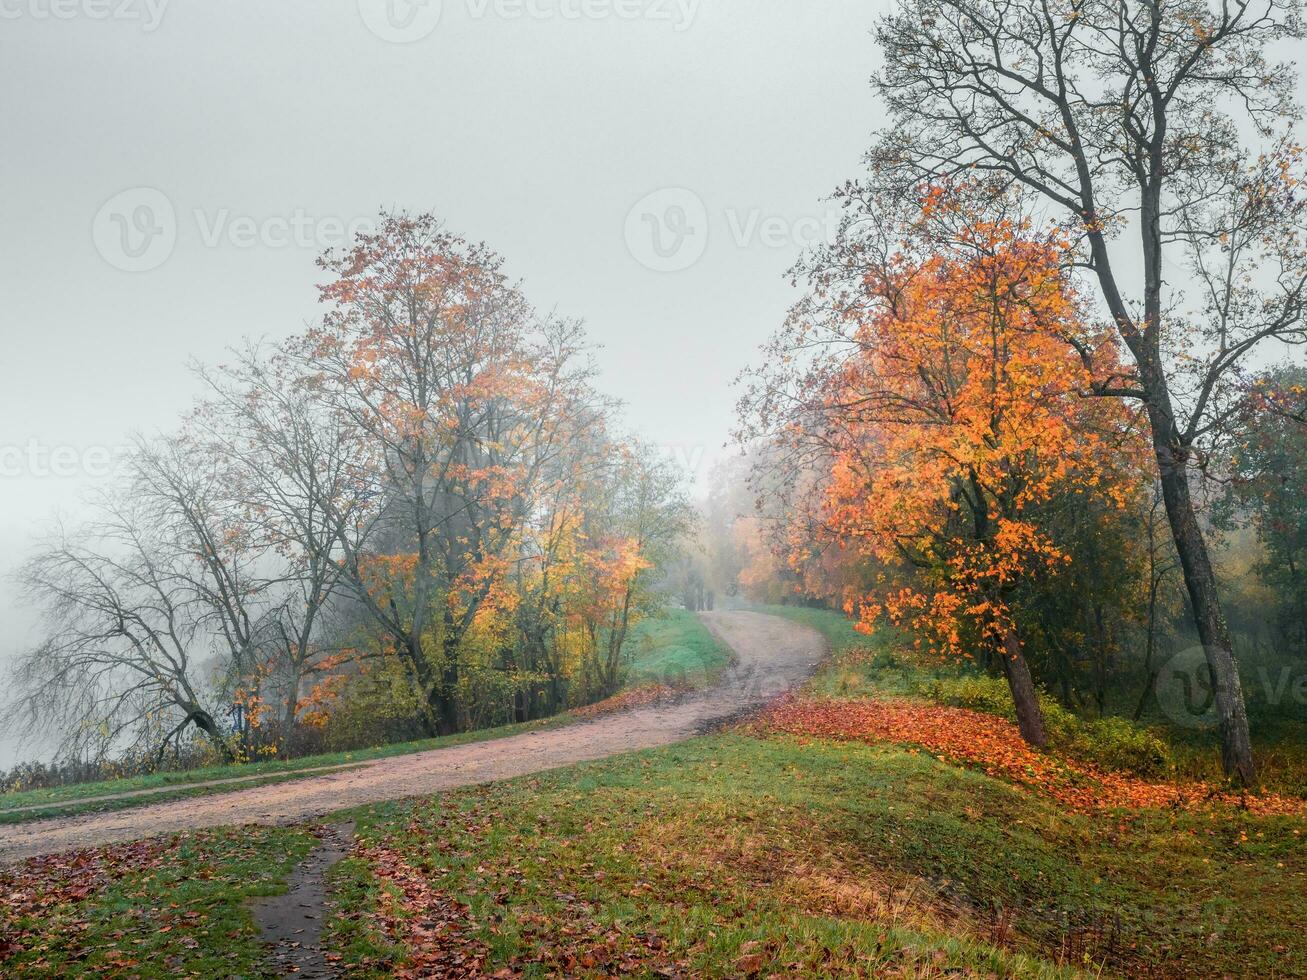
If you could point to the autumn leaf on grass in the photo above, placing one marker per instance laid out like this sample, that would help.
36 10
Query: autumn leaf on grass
994 745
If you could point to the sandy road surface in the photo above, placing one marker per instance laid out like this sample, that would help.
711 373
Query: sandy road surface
773 655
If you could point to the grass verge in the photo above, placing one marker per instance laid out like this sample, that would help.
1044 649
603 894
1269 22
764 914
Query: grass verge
110 804
676 650
83 796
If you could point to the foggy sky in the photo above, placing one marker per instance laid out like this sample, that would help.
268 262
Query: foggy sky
252 132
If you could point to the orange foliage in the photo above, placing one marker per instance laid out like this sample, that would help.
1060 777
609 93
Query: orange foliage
384 576
313 708
961 411
993 744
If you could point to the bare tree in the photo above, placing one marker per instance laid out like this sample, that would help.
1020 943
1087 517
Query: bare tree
159 607
1161 116
295 470
125 656
184 494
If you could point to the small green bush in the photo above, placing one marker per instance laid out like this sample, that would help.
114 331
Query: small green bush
975 691
1112 743
376 707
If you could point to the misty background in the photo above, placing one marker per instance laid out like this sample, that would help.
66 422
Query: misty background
651 167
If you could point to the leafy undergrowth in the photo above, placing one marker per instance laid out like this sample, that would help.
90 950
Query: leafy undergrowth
996 746
879 665
1279 752
164 907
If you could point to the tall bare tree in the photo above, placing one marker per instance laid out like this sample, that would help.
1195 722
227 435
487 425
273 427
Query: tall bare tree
130 642
1159 121
296 474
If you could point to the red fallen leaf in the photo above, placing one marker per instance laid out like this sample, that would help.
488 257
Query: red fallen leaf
996 746
636 697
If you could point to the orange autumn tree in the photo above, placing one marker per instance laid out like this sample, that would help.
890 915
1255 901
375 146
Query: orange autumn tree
462 397
945 408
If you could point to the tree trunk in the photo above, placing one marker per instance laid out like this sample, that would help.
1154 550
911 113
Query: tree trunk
1030 719
426 682
1172 452
446 701
205 723
1154 584
1200 581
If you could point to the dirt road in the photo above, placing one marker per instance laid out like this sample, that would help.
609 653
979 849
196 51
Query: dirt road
773 656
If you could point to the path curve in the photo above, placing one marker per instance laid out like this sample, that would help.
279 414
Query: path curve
773 655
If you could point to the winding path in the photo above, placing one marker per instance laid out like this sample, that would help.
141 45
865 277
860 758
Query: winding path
773 655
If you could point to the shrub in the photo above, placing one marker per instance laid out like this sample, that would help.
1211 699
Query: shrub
975 691
378 705
1112 743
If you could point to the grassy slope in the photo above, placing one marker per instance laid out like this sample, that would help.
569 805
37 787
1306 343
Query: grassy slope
840 858
674 648
732 854
1279 740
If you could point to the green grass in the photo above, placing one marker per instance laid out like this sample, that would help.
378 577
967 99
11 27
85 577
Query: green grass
861 664
675 649
830 856
696 858
181 912
732 854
